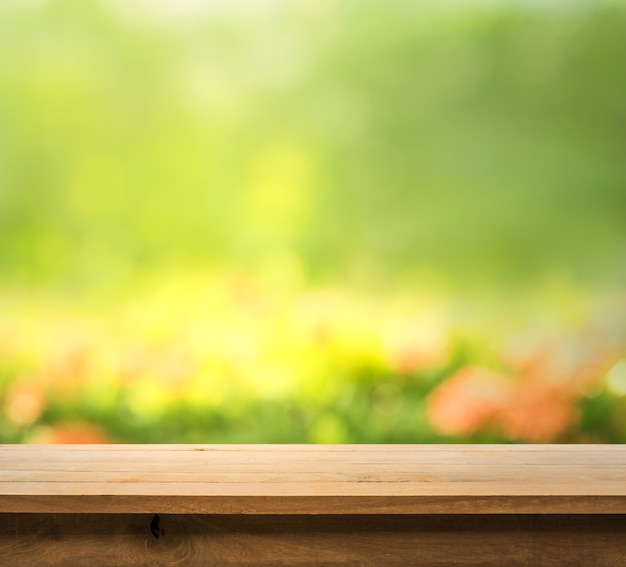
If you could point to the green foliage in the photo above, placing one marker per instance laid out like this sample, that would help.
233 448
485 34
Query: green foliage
448 173
484 142
233 359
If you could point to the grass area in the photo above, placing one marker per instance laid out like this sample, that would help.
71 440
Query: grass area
239 359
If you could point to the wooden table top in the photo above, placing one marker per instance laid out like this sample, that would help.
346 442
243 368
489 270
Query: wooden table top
314 479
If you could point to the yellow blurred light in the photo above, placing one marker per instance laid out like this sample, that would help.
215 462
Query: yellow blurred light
96 185
616 378
415 342
146 400
279 187
211 387
328 429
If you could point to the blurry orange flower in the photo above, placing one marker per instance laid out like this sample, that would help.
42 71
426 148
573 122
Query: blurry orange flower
537 413
24 403
71 433
468 400
414 343
574 364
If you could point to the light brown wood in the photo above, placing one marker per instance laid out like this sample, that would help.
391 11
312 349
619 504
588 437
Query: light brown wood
313 479
303 505
68 540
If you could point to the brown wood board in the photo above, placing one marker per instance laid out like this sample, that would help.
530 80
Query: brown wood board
314 479
71 540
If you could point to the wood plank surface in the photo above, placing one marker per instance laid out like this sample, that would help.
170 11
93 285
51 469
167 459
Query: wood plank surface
314 479
69 540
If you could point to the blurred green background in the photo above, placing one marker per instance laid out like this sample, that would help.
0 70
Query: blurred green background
312 221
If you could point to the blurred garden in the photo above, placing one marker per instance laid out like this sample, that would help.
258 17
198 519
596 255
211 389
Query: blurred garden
315 221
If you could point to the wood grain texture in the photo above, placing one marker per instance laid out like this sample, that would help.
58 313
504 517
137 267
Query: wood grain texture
427 540
314 479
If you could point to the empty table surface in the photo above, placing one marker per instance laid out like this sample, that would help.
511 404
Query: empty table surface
314 479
